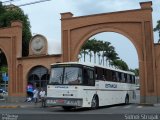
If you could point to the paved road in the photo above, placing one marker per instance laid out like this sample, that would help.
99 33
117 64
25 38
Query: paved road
114 112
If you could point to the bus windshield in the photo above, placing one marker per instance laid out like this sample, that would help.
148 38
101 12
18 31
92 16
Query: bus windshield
66 75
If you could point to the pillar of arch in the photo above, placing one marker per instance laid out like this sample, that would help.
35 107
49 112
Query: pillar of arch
136 25
11 45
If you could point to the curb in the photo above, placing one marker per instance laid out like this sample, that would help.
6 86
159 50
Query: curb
13 106
23 106
146 104
18 106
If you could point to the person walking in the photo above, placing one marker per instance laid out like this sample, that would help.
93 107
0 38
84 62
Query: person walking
29 93
42 96
35 95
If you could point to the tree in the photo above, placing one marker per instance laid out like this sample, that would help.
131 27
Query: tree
2 9
95 48
11 13
90 49
110 54
157 28
84 50
120 64
135 71
105 48
100 48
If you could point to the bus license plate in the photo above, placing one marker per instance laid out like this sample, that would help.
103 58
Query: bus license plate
64 102
55 101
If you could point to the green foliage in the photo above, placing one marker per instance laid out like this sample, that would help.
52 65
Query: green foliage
157 28
2 9
4 69
135 71
120 64
11 13
104 50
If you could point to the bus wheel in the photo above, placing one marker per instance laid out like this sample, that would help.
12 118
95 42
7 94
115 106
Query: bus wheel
94 103
67 108
127 100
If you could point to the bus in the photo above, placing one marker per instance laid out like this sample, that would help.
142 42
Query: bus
74 84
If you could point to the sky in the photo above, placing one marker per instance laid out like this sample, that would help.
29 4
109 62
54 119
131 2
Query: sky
45 19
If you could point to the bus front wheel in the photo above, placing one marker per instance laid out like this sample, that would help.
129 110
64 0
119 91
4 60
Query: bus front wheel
94 103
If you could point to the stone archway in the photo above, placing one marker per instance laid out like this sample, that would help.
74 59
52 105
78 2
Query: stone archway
10 43
134 24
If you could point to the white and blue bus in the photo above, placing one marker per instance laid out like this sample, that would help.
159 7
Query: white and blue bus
74 84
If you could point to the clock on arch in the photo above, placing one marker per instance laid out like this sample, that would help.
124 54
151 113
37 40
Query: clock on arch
38 45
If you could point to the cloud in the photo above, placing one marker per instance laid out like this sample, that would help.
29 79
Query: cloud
94 7
54 47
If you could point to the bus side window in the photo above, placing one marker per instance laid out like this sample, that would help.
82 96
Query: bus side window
106 75
109 78
116 76
104 78
99 72
86 77
133 79
91 77
128 79
125 78
113 76
120 76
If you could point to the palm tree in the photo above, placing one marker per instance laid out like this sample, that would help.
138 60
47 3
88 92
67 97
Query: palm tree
99 55
136 71
105 47
90 55
120 64
95 48
84 52
110 54
80 56
90 49
100 48
84 49
157 28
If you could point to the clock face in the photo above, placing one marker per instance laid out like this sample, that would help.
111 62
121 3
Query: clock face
37 44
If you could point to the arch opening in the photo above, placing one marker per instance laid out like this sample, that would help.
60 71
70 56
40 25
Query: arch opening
123 46
4 76
38 77
94 50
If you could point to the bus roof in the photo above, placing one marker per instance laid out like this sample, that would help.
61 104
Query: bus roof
94 65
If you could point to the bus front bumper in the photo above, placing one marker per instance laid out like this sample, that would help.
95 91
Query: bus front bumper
50 101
